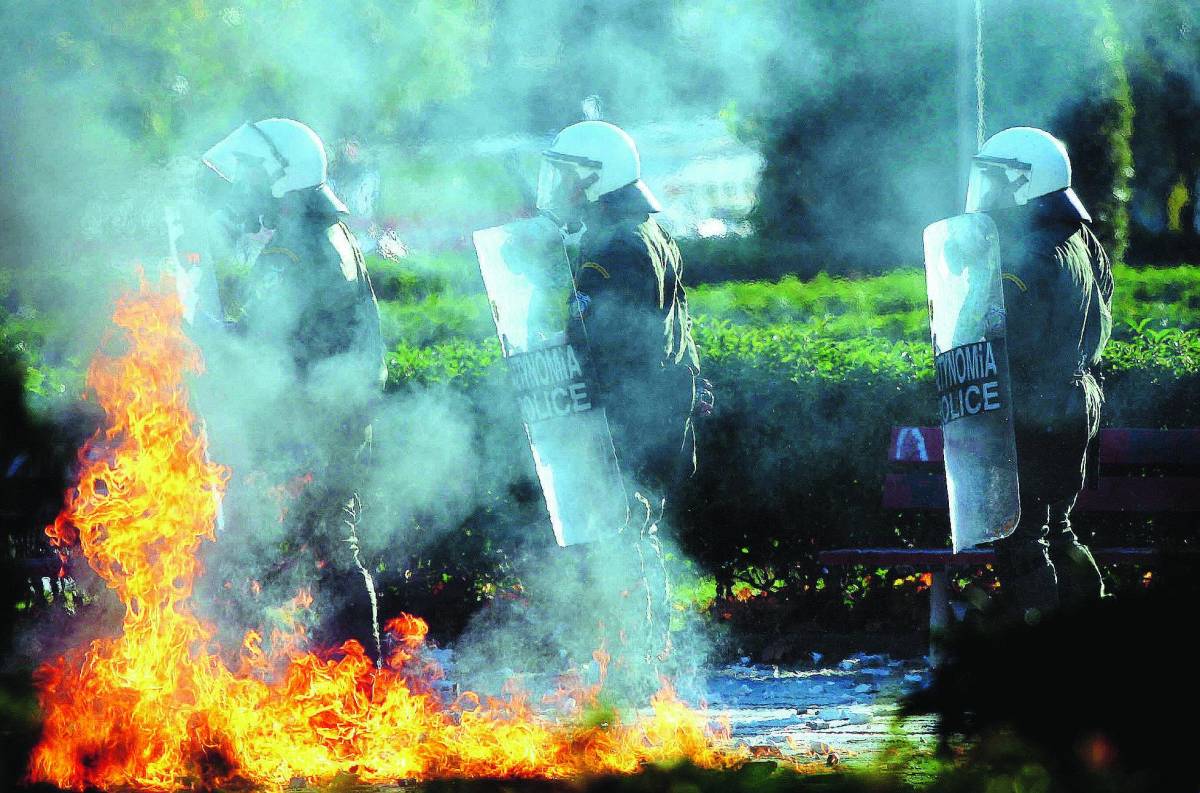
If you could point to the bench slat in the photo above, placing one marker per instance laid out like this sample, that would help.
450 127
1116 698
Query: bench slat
915 491
1118 446
1111 494
1149 447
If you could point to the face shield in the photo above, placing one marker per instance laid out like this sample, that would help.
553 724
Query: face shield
994 182
561 193
248 164
246 145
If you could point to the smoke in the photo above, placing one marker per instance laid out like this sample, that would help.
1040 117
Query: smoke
607 599
108 107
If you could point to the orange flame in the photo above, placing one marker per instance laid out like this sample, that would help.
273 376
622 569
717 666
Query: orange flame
157 708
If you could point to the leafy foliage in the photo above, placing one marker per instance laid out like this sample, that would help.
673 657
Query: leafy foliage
810 376
794 459
169 68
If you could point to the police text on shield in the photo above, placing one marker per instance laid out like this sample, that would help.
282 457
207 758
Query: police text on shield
549 383
968 380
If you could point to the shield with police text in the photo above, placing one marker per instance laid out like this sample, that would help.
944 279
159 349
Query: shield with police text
967 324
528 279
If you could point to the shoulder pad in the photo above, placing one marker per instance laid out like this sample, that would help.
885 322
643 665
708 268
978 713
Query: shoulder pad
347 250
277 250
599 268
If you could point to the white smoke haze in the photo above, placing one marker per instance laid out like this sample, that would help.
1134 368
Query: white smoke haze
108 108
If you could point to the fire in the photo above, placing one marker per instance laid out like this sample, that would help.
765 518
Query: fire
158 708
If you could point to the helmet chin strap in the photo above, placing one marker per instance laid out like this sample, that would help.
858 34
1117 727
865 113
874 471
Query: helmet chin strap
568 226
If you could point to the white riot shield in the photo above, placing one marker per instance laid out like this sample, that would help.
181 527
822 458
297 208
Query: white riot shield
967 323
528 280
195 277
196 286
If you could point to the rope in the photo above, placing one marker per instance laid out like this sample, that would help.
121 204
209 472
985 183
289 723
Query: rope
979 86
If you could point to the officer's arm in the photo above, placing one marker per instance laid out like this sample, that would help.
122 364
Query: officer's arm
263 288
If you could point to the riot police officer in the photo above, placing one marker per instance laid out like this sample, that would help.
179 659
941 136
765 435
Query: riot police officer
309 291
1058 289
632 306
311 348
631 297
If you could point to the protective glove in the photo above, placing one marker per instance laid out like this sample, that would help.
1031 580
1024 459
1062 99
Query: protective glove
579 305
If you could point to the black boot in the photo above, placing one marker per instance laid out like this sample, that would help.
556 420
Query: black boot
1079 579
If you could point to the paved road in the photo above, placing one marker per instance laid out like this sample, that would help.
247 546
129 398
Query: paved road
848 708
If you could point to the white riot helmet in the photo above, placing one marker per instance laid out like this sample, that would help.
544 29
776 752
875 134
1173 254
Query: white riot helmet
290 152
586 161
1017 165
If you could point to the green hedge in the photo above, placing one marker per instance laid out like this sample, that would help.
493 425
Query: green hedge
794 458
809 378
893 305
427 300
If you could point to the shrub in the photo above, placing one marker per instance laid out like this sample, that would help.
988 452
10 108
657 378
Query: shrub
794 458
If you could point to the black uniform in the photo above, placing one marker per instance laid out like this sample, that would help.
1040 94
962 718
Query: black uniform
312 320
629 278
309 293
1058 289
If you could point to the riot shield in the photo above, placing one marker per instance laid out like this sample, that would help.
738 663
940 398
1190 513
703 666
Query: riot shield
195 278
528 280
967 324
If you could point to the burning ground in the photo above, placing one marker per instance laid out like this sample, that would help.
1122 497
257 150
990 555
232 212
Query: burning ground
161 705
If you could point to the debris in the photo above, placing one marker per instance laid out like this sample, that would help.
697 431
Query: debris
766 752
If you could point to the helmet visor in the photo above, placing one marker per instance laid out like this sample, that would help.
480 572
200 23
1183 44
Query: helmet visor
560 192
993 184
245 145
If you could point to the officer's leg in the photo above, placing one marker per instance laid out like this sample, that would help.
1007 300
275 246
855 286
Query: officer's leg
343 575
656 580
1079 579
1023 564
1027 579
618 574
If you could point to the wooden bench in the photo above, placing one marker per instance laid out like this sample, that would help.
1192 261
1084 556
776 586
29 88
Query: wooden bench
921 484
1140 471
